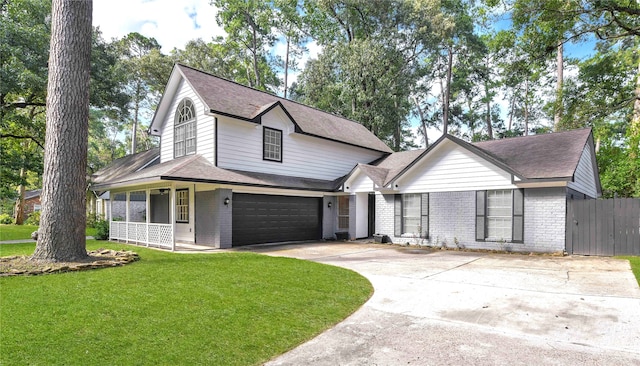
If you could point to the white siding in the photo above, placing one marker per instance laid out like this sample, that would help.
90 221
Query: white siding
240 148
584 177
205 126
452 168
359 183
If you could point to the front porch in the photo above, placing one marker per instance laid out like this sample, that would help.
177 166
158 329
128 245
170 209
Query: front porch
144 217
148 234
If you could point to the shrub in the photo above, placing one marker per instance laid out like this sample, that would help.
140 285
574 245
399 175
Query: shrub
6 219
102 229
34 219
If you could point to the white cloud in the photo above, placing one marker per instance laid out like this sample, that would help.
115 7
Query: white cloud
172 23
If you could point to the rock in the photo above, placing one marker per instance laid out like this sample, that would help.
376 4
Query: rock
34 235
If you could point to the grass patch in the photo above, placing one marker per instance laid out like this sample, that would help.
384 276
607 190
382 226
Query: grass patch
18 232
635 266
168 308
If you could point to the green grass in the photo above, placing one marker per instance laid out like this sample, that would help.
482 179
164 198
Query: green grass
635 266
168 308
17 232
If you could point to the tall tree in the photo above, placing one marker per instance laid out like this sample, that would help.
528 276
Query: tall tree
368 67
62 224
136 51
248 24
290 24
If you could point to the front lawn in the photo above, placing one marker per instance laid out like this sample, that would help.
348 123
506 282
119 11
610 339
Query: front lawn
168 308
17 232
635 266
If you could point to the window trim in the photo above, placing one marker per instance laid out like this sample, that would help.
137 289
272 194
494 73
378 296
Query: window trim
517 216
178 192
264 144
399 219
184 125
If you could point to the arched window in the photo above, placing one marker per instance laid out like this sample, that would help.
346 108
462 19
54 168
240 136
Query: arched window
184 134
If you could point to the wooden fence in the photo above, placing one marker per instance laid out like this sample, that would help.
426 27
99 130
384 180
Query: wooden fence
603 227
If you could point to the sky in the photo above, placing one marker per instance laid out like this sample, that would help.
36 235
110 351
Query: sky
171 22
175 22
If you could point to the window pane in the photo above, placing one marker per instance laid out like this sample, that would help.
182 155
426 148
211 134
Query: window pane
272 144
343 212
182 205
138 206
499 221
411 213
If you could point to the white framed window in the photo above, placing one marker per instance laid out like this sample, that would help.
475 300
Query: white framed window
343 212
272 144
184 135
499 214
182 205
411 213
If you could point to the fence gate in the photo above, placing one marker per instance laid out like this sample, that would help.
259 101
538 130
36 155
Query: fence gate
603 227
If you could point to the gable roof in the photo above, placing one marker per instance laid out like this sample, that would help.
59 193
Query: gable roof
126 165
228 98
382 171
195 168
546 156
553 156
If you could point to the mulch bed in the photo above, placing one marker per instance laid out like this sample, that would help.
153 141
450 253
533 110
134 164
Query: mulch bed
101 258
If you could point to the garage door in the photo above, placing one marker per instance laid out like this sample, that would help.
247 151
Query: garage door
268 219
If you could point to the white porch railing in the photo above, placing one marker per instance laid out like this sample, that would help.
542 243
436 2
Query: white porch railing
139 232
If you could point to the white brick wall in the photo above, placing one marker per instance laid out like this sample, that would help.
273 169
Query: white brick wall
452 216
545 213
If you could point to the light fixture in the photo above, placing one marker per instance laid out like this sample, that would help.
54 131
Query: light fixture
162 191
226 201
329 204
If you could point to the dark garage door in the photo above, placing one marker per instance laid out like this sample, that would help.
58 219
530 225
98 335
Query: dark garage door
261 218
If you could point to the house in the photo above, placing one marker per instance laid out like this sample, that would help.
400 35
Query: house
237 166
32 202
508 194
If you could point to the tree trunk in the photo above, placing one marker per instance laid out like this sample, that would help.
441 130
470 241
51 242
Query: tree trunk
559 81
488 116
286 68
62 224
447 93
511 111
19 214
423 124
136 112
526 107
254 49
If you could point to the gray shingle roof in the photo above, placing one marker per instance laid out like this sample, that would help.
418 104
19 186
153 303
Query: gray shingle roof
32 194
229 98
546 156
387 168
125 165
195 168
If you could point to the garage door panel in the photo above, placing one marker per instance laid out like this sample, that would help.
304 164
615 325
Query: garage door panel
265 219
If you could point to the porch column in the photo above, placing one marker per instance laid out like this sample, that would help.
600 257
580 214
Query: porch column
126 213
148 215
172 216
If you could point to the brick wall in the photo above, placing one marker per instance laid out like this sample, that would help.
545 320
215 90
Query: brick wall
452 218
545 213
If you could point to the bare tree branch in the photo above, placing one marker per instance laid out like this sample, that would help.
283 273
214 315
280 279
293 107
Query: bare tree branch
9 135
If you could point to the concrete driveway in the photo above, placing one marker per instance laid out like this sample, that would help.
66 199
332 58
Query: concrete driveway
450 308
